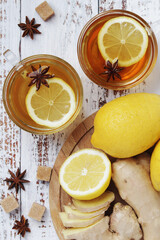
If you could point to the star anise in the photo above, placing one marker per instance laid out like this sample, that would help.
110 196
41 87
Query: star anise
39 76
16 180
22 226
112 70
29 27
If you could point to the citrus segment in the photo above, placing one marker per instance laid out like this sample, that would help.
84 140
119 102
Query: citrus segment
52 106
123 38
85 174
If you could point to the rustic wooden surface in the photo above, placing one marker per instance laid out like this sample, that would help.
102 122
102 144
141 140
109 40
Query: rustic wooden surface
59 37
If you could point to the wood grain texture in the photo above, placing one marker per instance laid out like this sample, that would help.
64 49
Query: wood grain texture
57 196
9 133
59 37
79 139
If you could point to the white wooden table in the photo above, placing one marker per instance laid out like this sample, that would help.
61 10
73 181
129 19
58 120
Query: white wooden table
59 37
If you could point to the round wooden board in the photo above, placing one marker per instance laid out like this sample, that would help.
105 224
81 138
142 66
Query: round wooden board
80 138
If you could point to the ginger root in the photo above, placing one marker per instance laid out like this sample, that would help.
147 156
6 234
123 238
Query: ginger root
124 223
134 185
92 232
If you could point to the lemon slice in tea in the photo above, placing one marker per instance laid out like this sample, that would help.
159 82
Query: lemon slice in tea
53 106
123 38
85 174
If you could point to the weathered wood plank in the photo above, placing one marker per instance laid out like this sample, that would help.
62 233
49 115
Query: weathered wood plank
59 37
9 133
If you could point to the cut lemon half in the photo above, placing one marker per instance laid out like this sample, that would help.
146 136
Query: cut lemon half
85 174
122 38
53 106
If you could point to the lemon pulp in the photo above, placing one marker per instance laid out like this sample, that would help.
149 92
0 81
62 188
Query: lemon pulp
85 174
123 38
53 106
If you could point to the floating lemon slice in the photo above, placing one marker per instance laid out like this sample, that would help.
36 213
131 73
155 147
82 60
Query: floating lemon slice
53 106
85 174
123 38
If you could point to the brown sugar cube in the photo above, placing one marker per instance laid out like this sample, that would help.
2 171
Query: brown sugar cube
37 211
44 173
9 204
45 11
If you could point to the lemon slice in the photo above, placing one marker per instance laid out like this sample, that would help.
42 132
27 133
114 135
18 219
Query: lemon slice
85 174
53 106
123 38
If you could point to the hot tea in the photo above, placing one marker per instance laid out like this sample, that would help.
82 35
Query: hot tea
92 55
44 94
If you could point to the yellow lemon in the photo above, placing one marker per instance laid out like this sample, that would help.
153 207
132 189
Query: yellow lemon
123 38
85 174
128 125
155 167
53 106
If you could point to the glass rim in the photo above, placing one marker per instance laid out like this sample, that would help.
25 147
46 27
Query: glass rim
124 84
46 131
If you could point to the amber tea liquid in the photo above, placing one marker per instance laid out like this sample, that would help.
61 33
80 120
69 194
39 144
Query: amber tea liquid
18 89
97 62
93 63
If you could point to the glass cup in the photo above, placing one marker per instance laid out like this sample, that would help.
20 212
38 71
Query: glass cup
16 88
92 62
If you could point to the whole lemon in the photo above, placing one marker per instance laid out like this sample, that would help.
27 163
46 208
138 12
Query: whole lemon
155 167
128 125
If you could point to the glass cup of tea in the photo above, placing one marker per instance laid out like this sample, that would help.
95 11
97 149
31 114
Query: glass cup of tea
119 35
42 94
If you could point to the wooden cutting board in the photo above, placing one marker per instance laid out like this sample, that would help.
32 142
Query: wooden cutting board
80 138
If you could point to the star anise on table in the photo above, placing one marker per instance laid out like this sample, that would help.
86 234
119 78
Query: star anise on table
22 226
39 76
16 180
112 70
29 27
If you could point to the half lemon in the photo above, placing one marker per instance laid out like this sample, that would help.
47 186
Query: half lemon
85 174
53 106
123 38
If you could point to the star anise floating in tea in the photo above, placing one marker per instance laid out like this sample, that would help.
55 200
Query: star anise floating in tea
16 180
112 70
22 226
39 76
30 28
